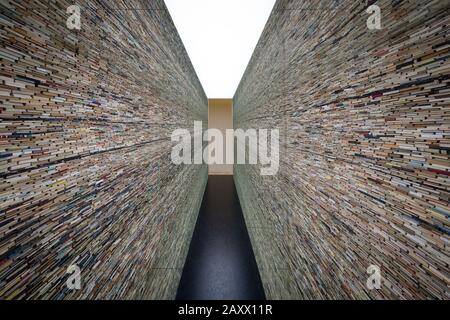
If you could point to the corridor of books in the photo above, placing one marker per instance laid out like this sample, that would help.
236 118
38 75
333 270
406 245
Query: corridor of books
93 206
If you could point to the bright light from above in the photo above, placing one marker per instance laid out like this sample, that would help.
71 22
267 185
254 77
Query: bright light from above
220 36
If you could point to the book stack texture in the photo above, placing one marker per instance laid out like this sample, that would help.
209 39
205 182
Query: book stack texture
86 175
364 178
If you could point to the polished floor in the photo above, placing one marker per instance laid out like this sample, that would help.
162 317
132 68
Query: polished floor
220 263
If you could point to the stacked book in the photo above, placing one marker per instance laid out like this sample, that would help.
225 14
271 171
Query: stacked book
87 179
364 179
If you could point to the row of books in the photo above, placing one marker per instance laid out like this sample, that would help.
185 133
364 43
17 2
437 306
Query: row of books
87 180
364 179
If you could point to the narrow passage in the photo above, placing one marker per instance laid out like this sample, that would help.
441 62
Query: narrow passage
220 263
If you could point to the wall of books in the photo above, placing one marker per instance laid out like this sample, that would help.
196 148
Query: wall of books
86 177
364 178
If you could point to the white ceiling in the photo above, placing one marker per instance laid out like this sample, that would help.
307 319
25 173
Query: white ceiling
220 36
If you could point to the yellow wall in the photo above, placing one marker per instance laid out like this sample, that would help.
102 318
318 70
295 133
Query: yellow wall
220 116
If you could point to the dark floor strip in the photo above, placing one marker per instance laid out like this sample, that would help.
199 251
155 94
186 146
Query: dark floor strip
220 263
